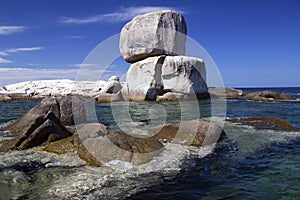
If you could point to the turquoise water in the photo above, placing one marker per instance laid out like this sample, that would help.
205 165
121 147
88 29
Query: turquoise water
249 164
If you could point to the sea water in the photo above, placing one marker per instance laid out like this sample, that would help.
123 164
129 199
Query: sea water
249 164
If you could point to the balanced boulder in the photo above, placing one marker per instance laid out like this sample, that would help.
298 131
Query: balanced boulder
158 75
156 33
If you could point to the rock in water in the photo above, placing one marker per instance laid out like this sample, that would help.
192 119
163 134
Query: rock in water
157 75
267 96
224 92
63 108
43 129
195 133
266 123
114 85
45 123
157 33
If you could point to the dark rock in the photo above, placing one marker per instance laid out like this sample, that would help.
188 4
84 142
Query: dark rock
267 96
266 123
73 144
5 97
284 96
43 130
63 108
195 133
135 144
94 145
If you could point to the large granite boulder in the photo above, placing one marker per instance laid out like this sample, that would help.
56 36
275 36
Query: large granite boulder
63 108
45 123
158 75
42 130
157 33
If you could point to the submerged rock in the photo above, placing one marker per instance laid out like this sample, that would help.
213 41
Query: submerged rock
73 144
266 123
195 133
157 33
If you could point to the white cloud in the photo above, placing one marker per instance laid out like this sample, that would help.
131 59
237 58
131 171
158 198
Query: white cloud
15 75
2 53
121 15
2 60
74 37
15 50
84 65
7 30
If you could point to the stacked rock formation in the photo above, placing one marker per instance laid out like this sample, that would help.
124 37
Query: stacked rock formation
155 45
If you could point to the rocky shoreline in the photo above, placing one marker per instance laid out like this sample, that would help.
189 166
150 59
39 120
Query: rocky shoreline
98 91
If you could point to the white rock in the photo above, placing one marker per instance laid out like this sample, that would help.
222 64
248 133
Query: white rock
180 74
56 87
113 86
157 33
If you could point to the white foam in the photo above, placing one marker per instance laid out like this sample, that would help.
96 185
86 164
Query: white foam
118 164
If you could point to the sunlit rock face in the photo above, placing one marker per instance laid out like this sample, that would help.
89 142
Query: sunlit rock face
158 75
156 33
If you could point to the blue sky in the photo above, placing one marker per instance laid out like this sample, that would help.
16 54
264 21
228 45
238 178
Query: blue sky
253 43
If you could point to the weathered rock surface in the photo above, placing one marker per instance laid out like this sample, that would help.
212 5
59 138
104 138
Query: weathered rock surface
157 33
106 97
266 123
195 133
4 97
170 96
221 92
44 129
113 87
267 96
157 75
45 123
73 144
46 88
63 108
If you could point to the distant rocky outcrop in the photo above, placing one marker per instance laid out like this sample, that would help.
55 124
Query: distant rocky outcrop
102 91
153 34
225 92
155 44
267 96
